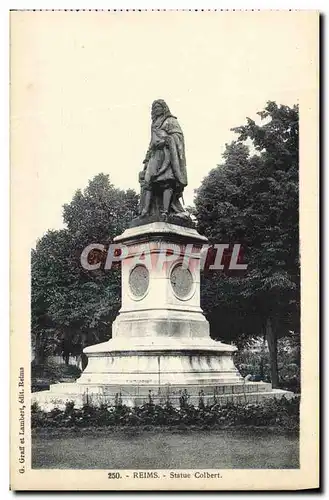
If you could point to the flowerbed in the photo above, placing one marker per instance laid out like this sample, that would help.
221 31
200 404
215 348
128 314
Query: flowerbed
281 413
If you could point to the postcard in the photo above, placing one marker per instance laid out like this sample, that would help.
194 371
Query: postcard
164 250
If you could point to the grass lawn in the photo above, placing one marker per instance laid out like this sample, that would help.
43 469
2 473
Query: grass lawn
134 448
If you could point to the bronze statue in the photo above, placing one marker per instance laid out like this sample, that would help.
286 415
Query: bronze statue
163 178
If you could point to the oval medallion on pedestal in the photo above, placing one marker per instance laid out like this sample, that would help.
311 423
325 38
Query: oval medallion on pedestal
139 281
182 282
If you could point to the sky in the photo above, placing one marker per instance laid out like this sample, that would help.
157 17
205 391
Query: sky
82 85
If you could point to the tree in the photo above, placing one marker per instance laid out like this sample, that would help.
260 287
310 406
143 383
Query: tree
252 199
71 306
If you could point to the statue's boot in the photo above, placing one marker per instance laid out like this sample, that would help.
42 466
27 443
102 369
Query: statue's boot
147 202
167 197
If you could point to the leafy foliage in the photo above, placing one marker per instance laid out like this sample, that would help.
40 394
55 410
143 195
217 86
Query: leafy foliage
257 363
73 307
281 413
43 375
252 198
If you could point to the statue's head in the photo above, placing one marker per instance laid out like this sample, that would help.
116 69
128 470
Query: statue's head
159 108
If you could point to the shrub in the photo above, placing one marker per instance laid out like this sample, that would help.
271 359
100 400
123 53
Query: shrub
257 363
282 413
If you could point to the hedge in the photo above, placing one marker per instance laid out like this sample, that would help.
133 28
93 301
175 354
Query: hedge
281 413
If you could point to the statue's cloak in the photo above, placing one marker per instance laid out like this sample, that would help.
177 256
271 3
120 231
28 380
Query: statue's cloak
177 149
156 156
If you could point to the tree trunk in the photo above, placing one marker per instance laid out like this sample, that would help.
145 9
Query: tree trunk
39 349
262 356
272 343
66 357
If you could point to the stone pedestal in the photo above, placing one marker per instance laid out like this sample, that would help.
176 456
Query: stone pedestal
160 339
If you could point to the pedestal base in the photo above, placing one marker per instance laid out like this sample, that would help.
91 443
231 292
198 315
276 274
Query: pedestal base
163 372
134 395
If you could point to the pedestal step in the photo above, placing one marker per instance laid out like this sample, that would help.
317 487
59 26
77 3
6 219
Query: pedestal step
249 392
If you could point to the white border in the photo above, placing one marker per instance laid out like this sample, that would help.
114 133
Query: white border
168 4
5 6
